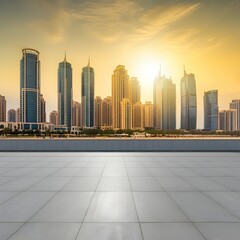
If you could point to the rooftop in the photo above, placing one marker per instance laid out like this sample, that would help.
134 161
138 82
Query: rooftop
127 196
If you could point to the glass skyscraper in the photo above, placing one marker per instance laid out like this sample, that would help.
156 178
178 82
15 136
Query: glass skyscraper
30 86
88 96
65 94
188 102
211 110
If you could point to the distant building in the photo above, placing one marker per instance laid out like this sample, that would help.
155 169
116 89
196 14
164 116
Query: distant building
188 102
65 93
18 115
211 110
30 86
227 120
42 109
88 96
164 100
53 118
12 115
107 112
137 115
2 109
76 114
235 104
120 91
126 114
98 112
147 115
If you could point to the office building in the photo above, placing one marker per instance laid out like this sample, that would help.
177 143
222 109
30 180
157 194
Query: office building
147 115
12 115
18 115
107 112
120 87
53 118
227 120
3 109
235 104
88 96
98 112
42 109
126 113
211 110
188 102
30 86
76 114
134 90
65 93
164 97
137 115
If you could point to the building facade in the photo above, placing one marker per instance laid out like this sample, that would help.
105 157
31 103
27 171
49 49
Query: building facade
12 115
3 109
227 120
65 94
98 112
53 118
211 110
188 102
137 115
42 109
235 104
147 115
164 97
76 114
126 114
107 112
120 87
30 86
88 96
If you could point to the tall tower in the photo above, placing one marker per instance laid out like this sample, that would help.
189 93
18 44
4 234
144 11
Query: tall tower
88 96
65 93
211 110
2 109
119 92
164 97
188 102
30 86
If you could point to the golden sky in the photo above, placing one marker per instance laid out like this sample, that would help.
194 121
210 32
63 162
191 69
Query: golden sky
140 34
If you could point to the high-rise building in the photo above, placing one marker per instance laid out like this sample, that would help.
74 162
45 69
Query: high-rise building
12 115
164 97
107 111
211 110
65 93
2 109
18 115
228 120
235 104
30 86
188 102
42 109
119 92
88 96
76 114
53 118
147 115
98 112
126 114
134 90
137 115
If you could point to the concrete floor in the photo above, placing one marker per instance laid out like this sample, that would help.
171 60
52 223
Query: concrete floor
120 196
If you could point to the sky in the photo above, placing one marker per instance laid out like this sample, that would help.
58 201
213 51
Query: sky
140 34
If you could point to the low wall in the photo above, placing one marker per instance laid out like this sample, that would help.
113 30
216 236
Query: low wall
133 145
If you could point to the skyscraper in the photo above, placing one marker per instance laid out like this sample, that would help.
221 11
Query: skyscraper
107 111
188 102
235 104
30 86
65 93
137 115
98 112
53 118
42 109
134 90
164 97
126 114
147 115
119 92
88 96
12 115
211 110
76 114
2 109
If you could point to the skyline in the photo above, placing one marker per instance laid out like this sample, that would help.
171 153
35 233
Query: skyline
201 36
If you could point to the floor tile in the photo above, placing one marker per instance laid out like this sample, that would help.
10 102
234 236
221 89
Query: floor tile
114 184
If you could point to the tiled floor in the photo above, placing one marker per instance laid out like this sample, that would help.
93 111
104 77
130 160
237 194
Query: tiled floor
113 196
